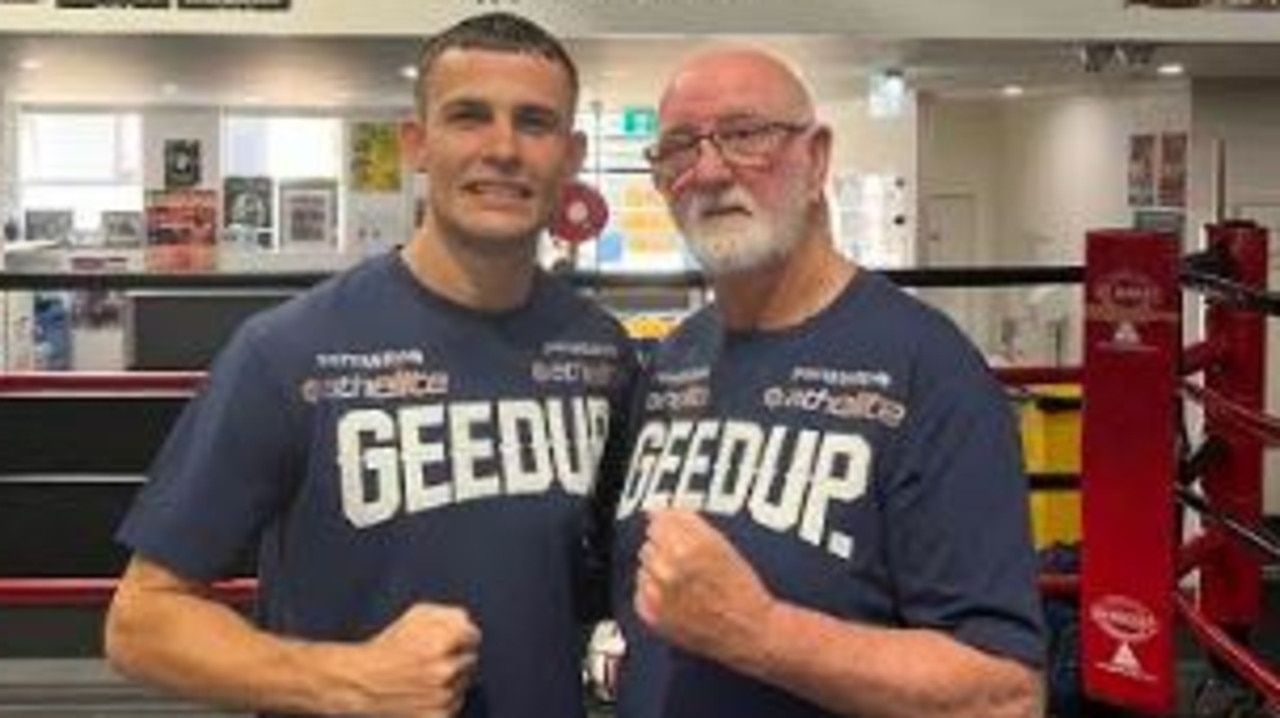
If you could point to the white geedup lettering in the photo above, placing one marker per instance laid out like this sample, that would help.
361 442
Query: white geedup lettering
784 479
426 456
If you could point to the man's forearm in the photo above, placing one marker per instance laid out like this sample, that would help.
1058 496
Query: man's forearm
204 650
876 672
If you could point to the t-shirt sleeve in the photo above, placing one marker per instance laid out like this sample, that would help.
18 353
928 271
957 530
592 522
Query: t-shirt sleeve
959 545
225 469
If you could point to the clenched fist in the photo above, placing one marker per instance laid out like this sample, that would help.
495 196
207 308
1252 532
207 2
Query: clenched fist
696 591
420 665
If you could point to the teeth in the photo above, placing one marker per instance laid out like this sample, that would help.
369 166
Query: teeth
505 190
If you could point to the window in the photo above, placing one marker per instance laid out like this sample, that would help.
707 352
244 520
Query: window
85 163
282 147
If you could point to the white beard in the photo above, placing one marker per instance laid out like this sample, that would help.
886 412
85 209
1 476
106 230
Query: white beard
737 242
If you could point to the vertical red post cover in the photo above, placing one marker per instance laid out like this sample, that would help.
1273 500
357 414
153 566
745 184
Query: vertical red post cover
1133 337
1231 580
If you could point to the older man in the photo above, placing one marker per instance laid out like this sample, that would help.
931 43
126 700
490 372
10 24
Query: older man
825 512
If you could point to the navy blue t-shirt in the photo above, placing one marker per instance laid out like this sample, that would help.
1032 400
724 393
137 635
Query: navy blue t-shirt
381 445
865 462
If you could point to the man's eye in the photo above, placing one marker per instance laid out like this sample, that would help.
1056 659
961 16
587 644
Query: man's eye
741 134
676 145
467 116
537 122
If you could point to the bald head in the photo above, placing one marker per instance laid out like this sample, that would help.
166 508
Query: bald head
729 81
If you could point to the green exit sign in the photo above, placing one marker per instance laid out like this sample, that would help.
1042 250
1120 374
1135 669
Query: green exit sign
640 121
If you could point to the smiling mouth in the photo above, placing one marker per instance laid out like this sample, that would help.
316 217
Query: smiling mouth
499 190
725 211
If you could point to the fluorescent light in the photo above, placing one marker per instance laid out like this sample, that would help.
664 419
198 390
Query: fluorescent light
1171 69
409 72
1012 91
30 64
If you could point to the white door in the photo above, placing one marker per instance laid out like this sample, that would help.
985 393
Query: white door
950 239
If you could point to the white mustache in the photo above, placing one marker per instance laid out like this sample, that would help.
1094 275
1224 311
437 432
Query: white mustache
702 203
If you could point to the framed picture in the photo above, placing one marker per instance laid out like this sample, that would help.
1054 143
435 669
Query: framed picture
51 224
308 214
123 229
247 210
181 163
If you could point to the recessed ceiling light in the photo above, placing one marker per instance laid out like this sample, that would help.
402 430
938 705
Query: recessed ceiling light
1171 69
409 72
30 64
1012 91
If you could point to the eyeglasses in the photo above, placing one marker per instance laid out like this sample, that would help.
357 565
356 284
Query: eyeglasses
741 145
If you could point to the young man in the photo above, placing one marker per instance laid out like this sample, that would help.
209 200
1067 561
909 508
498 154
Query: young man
413 445
825 512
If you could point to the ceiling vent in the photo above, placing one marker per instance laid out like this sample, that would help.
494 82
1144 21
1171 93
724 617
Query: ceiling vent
1273 5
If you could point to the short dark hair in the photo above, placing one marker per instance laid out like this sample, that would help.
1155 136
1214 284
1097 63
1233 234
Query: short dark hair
497 31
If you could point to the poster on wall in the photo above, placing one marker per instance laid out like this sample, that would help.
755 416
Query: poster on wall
871 222
1173 169
375 157
308 214
181 163
182 230
247 211
97 309
1142 170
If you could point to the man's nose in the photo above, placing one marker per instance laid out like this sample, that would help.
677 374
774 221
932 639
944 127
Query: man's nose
711 167
504 142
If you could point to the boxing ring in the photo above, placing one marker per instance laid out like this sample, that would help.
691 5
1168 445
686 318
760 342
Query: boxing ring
1140 470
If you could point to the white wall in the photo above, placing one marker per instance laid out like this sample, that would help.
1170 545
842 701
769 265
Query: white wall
1245 116
885 146
1045 170
8 157
1066 163
960 161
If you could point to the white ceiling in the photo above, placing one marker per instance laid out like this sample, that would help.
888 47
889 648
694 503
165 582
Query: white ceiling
947 46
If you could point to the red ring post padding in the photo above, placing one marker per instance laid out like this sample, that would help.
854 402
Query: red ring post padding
1023 375
1133 322
97 591
1231 579
34 382
63 592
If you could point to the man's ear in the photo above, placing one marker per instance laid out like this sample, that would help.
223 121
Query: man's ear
413 141
819 159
